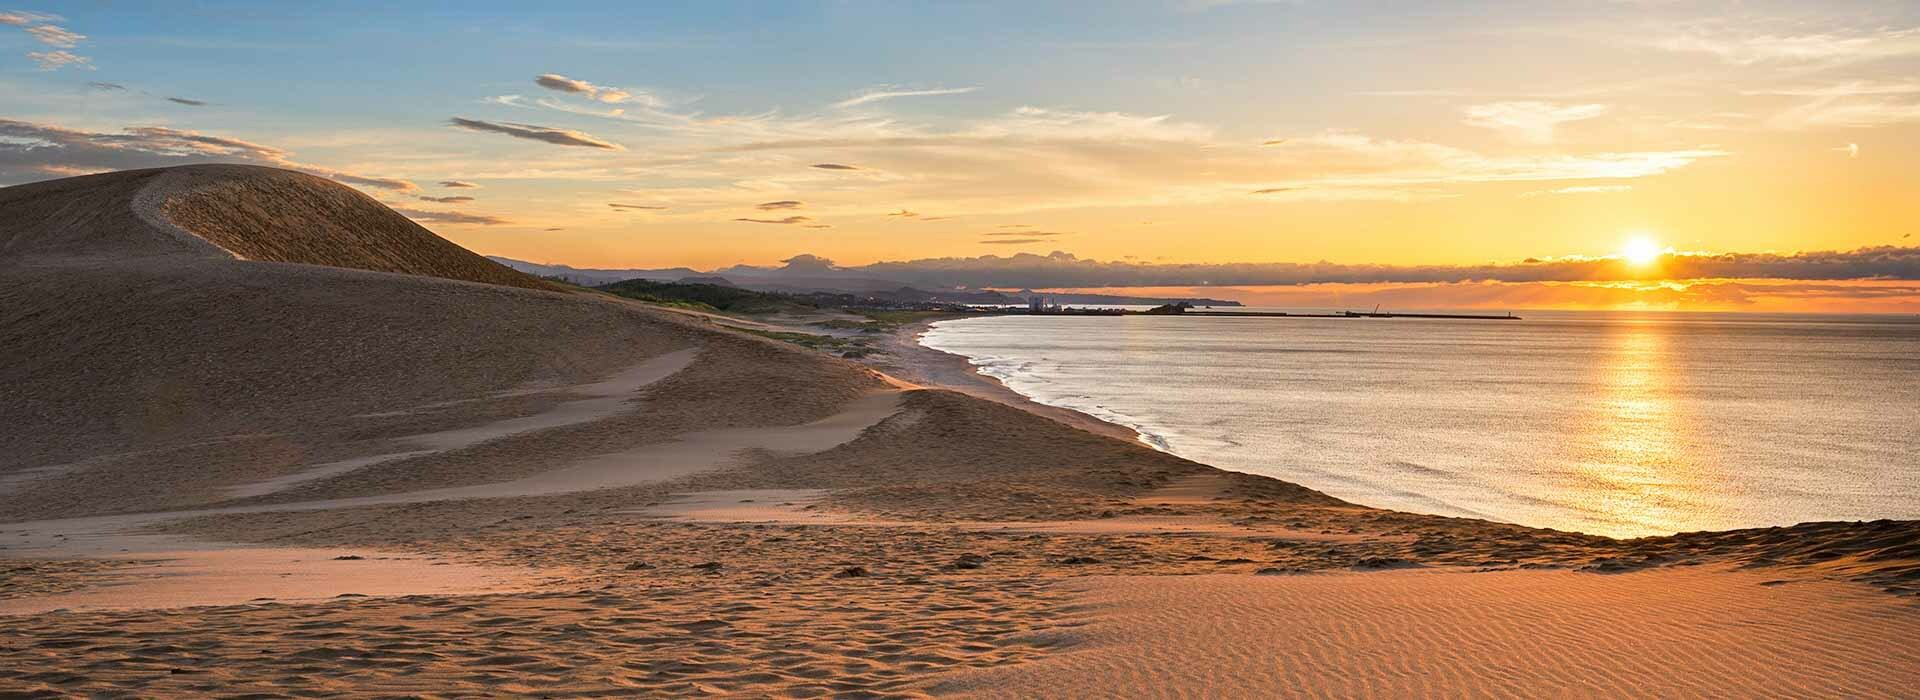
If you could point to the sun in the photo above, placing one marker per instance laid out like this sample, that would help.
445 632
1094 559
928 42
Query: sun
1640 251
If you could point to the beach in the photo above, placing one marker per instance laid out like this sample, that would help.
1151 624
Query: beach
328 490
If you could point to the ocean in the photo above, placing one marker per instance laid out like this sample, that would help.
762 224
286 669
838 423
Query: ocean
1616 423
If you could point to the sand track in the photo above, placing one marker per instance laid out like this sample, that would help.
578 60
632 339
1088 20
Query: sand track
602 399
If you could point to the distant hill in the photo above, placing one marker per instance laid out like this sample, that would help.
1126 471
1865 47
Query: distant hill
814 280
588 277
239 212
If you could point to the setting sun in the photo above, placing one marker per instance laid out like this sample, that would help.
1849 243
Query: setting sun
1640 251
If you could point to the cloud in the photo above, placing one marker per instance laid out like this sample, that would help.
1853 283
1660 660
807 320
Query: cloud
1848 112
1529 121
553 135
788 220
904 214
451 217
40 27
833 166
1033 159
445 200
29 151
55 60
106 86
617 205
1025 233
17 18
782 204
1012 241
552 81
459 184
385 183
1741 46
1579 189
185 101
888 93
1716 295
56 36
1060 269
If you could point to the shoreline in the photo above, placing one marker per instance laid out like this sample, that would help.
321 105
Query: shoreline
913 362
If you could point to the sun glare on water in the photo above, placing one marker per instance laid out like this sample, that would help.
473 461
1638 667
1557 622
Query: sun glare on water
1640 251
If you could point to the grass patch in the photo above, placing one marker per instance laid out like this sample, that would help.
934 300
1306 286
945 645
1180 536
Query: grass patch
706 297
844 347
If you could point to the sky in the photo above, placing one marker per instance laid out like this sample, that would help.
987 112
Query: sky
1182 132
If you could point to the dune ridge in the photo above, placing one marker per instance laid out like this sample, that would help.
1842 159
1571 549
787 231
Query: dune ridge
243 212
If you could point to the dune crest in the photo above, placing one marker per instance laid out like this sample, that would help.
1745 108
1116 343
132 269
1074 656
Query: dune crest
242 212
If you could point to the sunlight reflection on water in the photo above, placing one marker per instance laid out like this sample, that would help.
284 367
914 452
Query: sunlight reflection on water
1620 424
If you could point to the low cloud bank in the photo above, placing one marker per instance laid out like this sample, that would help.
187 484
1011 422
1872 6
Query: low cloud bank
1060 269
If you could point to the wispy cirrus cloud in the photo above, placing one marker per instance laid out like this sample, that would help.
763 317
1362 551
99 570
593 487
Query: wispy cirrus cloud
459 185
43 28
781 204
783 221
56 36
1529 121
889 92
21 18
445 200
187 102
55 60
451 217
1746 45
638 207
533 132
1579 189
601 93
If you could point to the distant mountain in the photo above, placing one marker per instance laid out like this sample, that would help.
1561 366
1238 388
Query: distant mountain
805 274
592 277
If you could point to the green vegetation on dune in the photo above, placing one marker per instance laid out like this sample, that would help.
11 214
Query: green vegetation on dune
706 297
888 319
844 347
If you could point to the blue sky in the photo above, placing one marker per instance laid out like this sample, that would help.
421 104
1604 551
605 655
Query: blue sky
1177 131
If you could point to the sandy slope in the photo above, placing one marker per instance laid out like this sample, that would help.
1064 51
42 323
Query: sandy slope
1690 632
191 366
240 212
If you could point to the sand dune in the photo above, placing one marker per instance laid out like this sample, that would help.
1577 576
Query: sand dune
239 212
639 501
1693 632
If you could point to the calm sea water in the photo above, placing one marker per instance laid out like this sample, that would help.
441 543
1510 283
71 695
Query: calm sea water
1613 423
